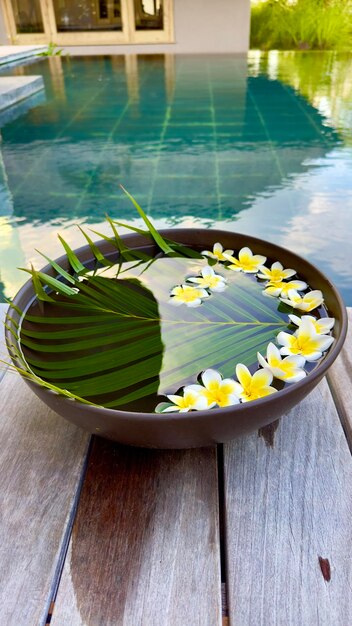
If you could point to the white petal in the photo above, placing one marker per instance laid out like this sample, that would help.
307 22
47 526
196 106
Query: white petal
217 247
299 375
324 345
194 303
171 409
261 360
284 339
263 375
298 359
277 266
202 403
209 376
207 271
194 279
314 356
199 389
272 351
221 286
175 301
232 399
272 291
174 399
295 319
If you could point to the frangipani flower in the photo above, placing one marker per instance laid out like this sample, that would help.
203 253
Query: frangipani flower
305 342
253 387
216 390
218 252
308 302
185 294
276 274
283 289
209 280
190 401
321 326
288 369
246 262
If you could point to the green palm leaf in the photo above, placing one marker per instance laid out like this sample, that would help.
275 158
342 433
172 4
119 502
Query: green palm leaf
120 343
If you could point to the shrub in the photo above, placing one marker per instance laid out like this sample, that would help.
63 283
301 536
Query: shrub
302 25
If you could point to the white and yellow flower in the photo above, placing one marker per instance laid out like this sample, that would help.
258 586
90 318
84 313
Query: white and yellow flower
253 387
189 401
288 369
308 302
185 294
282 288
209 280
321 326
216 390
218 252
305 342
246 262
276 274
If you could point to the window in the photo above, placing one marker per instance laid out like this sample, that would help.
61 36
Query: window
87 15
27 16
89 22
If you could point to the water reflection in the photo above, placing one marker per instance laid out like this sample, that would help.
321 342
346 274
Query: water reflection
259 145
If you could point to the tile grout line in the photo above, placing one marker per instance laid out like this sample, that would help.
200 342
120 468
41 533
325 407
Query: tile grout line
216 161
58 136
272 149
108 142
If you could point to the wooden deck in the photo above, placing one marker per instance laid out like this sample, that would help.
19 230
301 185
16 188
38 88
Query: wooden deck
254 533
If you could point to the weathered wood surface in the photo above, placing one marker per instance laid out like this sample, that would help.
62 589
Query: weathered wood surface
340 380
145 544
41 458
288 511
3 352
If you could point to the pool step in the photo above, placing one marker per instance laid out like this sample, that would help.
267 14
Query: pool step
13 89
12 54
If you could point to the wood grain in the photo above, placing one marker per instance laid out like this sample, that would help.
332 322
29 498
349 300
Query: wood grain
145 544
340 381
41 458
288 521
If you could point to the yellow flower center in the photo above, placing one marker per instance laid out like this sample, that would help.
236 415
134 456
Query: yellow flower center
286 367
209 281
218 392
186 401
303 344
188 295
276 275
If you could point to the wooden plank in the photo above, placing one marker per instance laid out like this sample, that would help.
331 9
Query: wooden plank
145 544
340 381
288 507
41 459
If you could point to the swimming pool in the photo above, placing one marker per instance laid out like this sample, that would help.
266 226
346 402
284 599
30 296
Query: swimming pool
260 145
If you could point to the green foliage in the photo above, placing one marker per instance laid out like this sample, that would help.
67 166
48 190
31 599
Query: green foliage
302 25
95 336
51 51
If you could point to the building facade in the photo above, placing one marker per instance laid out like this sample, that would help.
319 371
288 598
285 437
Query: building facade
185 26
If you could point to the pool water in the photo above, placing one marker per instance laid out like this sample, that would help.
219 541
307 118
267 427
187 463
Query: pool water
259 145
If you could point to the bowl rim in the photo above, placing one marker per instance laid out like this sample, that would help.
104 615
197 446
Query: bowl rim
272 400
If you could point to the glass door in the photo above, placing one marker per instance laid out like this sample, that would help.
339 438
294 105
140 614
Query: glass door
25 20
89 22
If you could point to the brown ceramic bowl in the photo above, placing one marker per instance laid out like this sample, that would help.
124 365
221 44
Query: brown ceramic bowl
198 428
